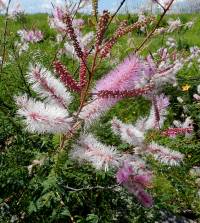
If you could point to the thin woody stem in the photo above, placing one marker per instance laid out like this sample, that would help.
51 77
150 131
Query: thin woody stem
90 188
91 75
154 29
78 7
113 16
160 4
5 37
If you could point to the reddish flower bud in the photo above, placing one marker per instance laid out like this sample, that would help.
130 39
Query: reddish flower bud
66 77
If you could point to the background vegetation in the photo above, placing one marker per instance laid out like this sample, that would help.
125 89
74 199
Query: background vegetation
62 191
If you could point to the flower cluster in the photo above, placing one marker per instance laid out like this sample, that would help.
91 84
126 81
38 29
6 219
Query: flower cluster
135 135
174 25
101 156
77 42
181 128
47 86
134 76
32 36
135 178
124 77
122 30
27 37
41 117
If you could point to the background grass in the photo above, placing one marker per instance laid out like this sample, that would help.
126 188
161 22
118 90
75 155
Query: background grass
43 195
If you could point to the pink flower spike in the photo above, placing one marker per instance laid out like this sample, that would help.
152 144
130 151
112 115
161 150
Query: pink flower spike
173 132
162 102
144 180
145 198
43 118
83 70
48 86
124 173
99 155
123 77
142 196
163 154
125 94
127 132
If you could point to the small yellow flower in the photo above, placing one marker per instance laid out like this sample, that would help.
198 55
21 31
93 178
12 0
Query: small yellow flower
186 87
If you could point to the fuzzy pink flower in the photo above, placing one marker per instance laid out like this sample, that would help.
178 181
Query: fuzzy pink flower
127 132
157 113
162 154
57 20
181 128
164 72
58 13
142 196
173 132
41 118
32 36
134 176
127 172
99 155
144 179
78 22
44 83
123 77
145 199
174 25
124 173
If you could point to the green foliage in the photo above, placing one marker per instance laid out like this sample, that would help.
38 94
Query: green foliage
60 190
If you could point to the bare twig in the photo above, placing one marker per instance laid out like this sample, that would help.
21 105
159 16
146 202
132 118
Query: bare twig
78 7
90 188
113 16
160 4
156 26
